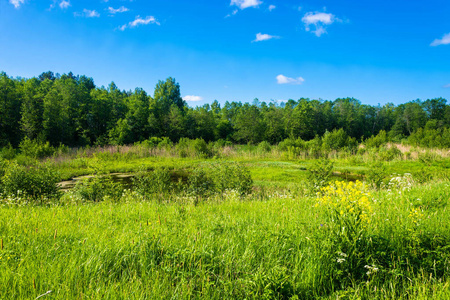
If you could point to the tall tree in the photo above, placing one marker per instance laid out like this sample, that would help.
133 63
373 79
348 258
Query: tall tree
10 103
249 125
167 93
32 110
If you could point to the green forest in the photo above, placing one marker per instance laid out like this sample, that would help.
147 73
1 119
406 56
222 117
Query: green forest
71 110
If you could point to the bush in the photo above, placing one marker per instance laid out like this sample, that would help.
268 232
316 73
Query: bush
8 152
193 148
293 147
183 147
376 174
152 142
200 184
320 173
264 147
165 143
156 182
377 141
97 188
388 154
35 148
228 176
219 178
314 147
201 148
347 209
33 182
3 165
335 140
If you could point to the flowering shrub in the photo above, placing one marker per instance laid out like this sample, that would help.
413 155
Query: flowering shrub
346 203
347 209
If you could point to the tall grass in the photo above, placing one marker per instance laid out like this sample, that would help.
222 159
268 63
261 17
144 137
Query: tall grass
268 246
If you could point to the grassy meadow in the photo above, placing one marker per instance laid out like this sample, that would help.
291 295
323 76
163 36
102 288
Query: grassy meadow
241 223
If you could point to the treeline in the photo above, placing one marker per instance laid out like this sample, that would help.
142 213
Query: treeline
71 110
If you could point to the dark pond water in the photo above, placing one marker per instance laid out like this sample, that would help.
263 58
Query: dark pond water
126 179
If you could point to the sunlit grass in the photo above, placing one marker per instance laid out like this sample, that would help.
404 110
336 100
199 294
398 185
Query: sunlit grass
229 247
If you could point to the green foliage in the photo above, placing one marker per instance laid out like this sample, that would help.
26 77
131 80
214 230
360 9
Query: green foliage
375 174
284 248
152 142
293 148
183 147
32 182
148 183
98 188
264 147
320 172
288 143
377 141
227 176
35 148
8 152
121 133
431 136
219 178
201 148
165 143
200 184
314 147
338 140
193 148
389 153
71 110
3 166
249 125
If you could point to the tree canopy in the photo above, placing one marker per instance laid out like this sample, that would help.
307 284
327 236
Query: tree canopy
71 110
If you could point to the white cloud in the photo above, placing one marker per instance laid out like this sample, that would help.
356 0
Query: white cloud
243 4
87 14
281 79
192 98
90 13
272 7
17 3
447 86
121 9
319 20
232 14
139 21
444 41
264 37
64 4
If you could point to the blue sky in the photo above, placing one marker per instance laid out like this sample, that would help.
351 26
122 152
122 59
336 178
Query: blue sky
237 50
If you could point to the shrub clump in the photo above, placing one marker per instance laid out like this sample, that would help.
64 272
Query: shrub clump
35 182
376 174
346 202
219 179
148 183
98 188
227 176
319 173
347 209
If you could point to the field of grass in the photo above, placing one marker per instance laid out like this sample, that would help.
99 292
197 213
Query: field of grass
280 241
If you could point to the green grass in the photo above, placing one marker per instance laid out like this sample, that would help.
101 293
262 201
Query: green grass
272 244
234 248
